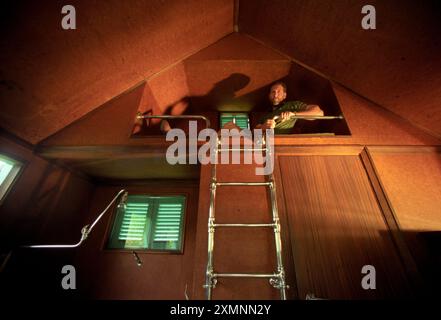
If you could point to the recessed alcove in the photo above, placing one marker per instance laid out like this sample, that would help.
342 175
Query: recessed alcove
235 75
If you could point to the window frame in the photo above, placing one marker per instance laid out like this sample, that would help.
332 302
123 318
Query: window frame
234 113
114 217
21 164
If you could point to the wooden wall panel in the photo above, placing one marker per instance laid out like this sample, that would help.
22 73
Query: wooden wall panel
411 179
336 228
412 183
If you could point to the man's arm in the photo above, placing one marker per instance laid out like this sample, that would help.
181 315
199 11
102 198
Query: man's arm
310 110
268 124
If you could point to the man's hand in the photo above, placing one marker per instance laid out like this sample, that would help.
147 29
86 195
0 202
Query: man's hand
270 124
286 115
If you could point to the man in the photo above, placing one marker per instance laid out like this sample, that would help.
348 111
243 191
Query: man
280 119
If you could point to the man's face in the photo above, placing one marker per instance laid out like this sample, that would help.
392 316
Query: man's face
277 94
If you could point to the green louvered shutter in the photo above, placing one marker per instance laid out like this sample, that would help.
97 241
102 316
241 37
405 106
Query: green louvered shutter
241 119
149 222
134 222
130 228
167 231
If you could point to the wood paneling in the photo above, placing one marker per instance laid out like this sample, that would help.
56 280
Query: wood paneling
411 180
410 177
112 123
237 47
391 220
337 227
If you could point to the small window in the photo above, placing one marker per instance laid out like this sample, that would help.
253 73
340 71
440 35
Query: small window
149 222
240 119
9 169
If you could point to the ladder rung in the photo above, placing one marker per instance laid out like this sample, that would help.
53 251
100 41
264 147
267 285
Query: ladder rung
244 225
243 183
245 275
239 149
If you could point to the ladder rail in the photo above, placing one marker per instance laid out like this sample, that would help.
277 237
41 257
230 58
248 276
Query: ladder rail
277 232
278 241
210 279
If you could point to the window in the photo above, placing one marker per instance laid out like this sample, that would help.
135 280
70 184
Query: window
9 169
240 119
149 222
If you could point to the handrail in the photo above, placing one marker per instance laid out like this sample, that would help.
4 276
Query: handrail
312 117
86 229
207 121
208 124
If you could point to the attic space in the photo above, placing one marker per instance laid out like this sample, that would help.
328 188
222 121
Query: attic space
220 149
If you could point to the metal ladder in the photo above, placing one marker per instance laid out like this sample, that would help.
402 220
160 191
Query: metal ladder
276 279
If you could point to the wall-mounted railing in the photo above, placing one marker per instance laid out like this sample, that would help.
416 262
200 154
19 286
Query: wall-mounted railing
190 117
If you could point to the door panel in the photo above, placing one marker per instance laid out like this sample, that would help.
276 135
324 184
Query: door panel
336 227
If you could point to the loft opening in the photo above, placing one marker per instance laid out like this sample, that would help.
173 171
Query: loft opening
302 88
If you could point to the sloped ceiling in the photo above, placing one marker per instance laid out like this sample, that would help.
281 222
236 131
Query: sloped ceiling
50 77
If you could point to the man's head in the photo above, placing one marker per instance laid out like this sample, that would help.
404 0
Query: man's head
277 93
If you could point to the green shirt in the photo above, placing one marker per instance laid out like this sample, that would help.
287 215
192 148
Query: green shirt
285 127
